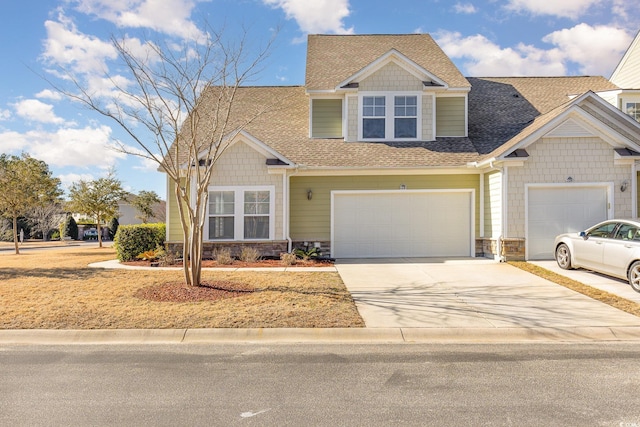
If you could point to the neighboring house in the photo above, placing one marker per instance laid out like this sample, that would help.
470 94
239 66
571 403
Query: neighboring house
128 214
389 151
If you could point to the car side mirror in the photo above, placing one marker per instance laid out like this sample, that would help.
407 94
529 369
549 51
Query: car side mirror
584 235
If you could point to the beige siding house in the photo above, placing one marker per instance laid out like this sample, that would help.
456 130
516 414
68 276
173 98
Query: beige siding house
389 151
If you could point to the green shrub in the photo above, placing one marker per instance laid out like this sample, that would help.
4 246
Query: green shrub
69 228
113 227
132 240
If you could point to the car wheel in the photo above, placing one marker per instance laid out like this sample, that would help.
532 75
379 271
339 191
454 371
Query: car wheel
634 276
563 257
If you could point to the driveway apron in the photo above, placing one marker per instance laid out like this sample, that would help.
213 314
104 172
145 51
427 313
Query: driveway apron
467 293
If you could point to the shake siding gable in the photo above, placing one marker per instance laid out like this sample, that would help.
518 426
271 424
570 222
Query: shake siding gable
391 77
553 160
242 165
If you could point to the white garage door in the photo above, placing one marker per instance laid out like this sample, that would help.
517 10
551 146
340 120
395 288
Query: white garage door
556 210
402 224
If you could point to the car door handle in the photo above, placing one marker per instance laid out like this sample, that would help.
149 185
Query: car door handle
628 246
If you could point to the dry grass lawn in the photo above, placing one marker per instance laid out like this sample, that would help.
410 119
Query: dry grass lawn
55 289
597 294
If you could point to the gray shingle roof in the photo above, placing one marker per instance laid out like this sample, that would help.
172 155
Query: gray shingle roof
502 107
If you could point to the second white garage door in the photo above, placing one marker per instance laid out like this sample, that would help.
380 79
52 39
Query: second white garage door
420 223
561 209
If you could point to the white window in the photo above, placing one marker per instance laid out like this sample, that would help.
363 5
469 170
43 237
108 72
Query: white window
241 213
373 117
390 117
633 109
406 114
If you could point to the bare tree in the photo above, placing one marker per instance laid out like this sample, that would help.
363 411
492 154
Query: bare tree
158 104
46 217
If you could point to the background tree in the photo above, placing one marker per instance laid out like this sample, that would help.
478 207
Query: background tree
69 228
113 227
45 218
26 184
156 102
144 203
97 199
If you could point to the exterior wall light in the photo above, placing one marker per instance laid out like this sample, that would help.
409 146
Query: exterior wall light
624 185
309 194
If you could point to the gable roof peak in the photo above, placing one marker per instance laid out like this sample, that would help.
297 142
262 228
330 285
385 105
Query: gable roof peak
332 59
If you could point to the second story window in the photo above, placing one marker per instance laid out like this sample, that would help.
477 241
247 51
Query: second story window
373 117
390 116
406 116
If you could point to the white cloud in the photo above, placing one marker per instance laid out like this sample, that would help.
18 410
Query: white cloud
597 49
316 17
37 111
68 179
49 94
5 115
465 8
561 8
67 47
166 16
87 147
485 58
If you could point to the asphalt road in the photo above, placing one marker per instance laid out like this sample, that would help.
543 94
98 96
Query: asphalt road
311 385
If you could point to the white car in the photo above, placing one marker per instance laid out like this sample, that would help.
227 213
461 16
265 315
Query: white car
611 247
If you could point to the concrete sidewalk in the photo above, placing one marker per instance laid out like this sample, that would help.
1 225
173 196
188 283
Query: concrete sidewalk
319 335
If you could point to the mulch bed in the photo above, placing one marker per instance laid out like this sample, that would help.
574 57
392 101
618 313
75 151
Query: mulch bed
265 263
207 291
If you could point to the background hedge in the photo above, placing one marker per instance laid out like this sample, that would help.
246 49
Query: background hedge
132 240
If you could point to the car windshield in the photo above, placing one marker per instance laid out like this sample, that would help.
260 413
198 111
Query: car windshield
603 230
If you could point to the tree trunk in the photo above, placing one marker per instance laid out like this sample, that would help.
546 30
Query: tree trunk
15 234
99 234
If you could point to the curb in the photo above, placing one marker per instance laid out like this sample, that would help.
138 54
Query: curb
319 335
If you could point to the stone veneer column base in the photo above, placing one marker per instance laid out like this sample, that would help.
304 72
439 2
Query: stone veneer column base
509 249
272 248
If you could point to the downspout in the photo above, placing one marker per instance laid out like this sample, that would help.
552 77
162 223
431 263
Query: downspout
634 190
287 207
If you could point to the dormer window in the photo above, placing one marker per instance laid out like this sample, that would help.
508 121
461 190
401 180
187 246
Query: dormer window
406 114
373 117
390 117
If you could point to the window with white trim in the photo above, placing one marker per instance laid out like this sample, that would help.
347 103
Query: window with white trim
373 117
633 109
406 116
390 117
241 213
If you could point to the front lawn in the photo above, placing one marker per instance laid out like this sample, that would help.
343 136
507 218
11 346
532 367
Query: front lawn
54 289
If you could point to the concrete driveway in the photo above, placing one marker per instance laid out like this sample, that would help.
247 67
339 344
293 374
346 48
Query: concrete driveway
467 293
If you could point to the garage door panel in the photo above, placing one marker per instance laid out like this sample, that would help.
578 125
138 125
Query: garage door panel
557 210
402 224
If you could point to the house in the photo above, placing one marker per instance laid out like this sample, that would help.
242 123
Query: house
389 151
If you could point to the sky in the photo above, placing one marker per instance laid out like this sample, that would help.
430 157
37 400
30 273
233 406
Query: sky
483 38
